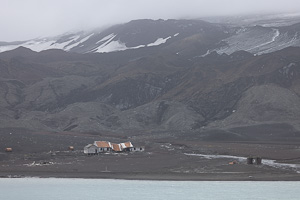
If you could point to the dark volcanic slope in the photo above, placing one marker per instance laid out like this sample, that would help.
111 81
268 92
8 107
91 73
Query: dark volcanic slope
58 91
176 84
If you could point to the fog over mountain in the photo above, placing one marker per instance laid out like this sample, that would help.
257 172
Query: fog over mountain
23 20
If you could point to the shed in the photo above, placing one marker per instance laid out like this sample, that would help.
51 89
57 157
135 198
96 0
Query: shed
249 160
254 160
90 149
137 149
258 160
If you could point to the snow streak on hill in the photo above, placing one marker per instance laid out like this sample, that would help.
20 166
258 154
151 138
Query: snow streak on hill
104 45
48 43
181 37
259 40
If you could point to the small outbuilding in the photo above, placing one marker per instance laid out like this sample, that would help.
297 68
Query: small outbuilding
254 160
137 149
90 149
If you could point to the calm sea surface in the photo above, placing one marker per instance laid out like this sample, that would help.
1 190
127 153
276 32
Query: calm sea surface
86 189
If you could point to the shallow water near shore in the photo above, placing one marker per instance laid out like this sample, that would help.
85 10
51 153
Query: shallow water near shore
78 189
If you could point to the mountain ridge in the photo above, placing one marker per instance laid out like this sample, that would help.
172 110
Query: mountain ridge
156 88
177 36
201 95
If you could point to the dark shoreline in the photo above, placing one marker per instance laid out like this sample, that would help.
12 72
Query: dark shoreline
164 159
158 176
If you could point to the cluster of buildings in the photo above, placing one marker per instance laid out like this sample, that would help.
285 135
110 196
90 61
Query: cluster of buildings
105 146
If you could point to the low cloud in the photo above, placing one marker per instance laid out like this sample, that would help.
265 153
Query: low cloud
21 20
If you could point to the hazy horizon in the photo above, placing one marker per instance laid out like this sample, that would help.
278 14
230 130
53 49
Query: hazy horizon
23 20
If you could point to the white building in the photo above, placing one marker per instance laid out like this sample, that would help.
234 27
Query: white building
105 146
90 149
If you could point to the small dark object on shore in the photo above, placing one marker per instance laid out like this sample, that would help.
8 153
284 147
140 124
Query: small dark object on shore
254 160
249 161
258 160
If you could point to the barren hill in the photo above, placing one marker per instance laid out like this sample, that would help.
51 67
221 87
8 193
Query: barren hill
179 85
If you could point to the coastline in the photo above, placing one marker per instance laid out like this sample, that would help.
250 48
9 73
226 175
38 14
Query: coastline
152 176
164 159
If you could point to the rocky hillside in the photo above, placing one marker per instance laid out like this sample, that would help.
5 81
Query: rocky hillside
167 87
58 91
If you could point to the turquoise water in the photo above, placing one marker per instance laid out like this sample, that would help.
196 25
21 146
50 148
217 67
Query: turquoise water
86 189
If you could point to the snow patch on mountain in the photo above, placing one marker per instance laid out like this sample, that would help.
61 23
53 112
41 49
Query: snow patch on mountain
33 45
68 48
276 34
45 44
64 44
112 46
8 47
109 37
103 46
258 40
116 46
207 53
159 41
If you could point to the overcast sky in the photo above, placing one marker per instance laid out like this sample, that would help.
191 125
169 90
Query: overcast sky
26 19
